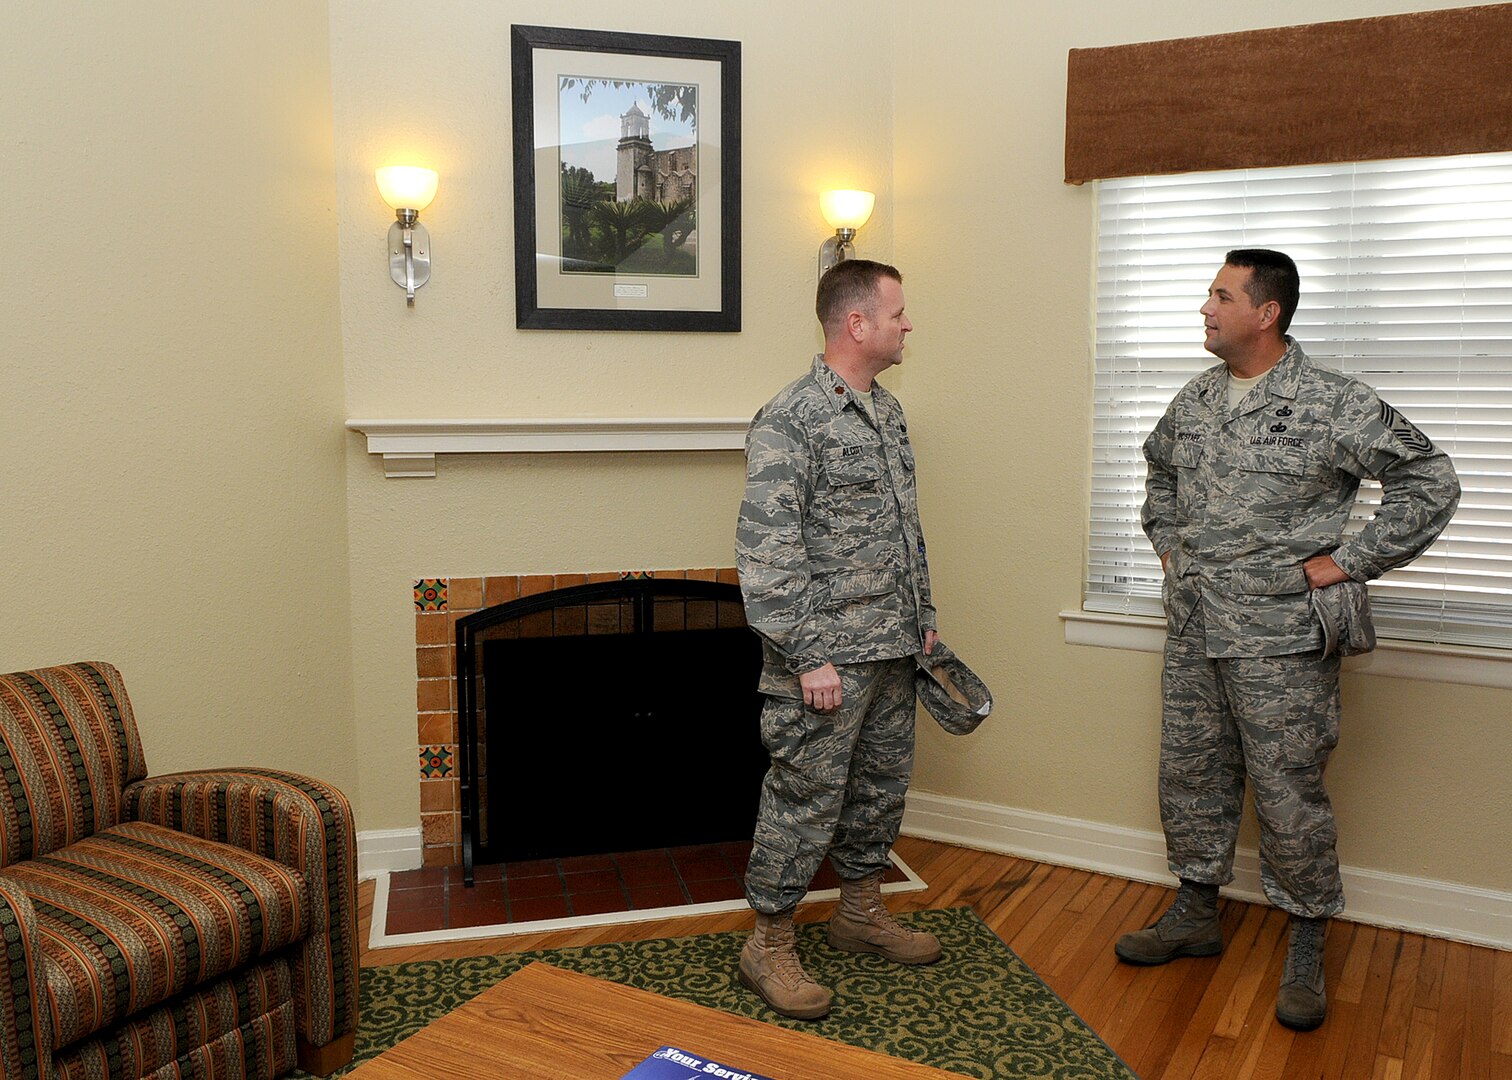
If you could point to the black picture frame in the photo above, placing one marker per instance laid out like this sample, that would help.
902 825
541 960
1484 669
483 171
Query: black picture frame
573 268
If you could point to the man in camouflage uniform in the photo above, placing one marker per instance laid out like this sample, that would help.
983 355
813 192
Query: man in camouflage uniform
832 568
1252 473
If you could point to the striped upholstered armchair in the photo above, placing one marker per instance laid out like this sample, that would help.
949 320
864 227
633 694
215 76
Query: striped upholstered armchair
199 924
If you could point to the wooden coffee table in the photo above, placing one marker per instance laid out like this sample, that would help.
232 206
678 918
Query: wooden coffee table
546 1022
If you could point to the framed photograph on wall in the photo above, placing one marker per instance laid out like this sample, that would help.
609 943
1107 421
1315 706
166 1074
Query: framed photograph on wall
627 181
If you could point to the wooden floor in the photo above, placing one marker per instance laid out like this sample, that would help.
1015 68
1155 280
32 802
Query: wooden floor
1400 1005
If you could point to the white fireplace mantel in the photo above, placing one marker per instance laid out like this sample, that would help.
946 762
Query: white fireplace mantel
409 447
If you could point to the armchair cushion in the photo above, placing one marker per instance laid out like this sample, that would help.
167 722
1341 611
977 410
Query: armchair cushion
242 1025
68 748
137 914
301 822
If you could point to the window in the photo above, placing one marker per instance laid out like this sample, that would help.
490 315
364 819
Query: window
1406 284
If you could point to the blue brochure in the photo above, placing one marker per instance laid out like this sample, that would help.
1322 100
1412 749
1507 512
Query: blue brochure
670 1063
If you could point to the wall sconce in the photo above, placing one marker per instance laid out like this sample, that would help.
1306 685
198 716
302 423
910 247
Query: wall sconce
409 190
846 212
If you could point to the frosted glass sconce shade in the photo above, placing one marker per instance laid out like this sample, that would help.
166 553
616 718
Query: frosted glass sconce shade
845 211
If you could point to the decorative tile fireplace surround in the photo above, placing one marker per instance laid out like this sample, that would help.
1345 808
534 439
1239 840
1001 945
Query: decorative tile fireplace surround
439 603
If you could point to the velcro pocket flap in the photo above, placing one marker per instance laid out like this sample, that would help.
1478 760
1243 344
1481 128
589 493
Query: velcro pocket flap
861 583
1273 582
1272 460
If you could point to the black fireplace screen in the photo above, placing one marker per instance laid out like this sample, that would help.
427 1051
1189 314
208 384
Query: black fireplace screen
611 717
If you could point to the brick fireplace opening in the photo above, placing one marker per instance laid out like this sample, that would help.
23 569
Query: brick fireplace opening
451 814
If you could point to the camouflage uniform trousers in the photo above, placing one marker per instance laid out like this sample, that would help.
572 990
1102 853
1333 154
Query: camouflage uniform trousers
1276 719
836 784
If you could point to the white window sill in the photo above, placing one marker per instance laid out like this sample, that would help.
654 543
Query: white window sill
1464 664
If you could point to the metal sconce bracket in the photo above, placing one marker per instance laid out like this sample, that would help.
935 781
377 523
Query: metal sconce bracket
409 253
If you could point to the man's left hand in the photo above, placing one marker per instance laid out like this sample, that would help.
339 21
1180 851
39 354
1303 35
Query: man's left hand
1322 572
930 637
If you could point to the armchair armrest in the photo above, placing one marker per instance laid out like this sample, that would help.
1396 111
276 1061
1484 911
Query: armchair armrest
297 821
25 1022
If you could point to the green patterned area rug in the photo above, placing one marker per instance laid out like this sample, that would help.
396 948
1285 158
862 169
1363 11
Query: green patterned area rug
978 1012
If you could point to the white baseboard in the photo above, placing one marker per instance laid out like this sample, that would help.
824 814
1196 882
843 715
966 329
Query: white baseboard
387 850
1436 908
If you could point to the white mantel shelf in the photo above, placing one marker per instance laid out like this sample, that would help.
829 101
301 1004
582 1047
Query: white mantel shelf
409 447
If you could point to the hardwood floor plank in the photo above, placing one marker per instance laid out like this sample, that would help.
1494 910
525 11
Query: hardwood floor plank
1449 1037
1475 1058
1202 1024
1501 1012
1417 1063
1402 1006
1196 975
1250 945
1351 981
1216 1060
1305 1057
1372 1010
1095 951
1089 925
1431 973
1337 1036
1399 996
1268 1044
1023 927
1100 991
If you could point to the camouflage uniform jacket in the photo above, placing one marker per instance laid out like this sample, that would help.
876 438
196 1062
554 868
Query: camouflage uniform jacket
1240 500
829 549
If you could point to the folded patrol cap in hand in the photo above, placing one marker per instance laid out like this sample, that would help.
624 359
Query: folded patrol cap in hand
1343 611
951 691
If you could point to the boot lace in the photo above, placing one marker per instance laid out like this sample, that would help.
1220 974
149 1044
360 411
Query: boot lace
883 919
1304 957
1178 909
782 954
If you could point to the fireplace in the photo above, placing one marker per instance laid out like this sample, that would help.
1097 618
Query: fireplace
604 717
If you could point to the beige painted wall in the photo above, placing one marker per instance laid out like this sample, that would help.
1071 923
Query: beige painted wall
181 493
170 381
999 393
807 124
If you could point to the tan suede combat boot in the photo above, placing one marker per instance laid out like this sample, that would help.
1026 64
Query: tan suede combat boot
1302 1002
769 966
1189 927
862 924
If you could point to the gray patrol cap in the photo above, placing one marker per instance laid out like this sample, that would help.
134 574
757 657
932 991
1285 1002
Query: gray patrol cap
1343 610
951 691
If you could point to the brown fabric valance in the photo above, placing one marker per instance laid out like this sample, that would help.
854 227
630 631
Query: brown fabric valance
1425 84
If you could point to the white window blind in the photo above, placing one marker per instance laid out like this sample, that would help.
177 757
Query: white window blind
1406 284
